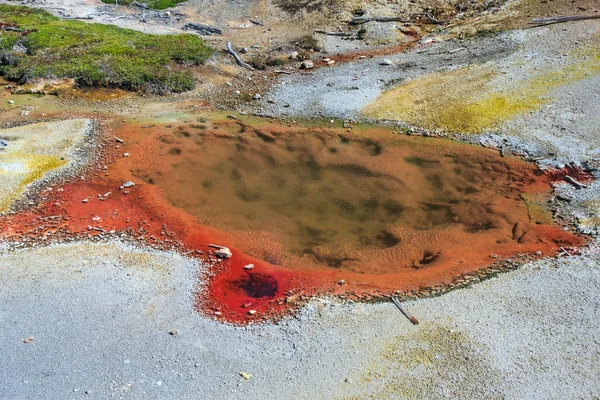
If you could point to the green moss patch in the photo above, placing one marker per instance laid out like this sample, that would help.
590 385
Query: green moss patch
96 54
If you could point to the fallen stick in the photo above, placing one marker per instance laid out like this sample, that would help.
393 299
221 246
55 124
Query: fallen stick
280 71
256 22
203 29
574 182
330 33
83 17
238 60
558 20
11 29
432 19
364 20
566 252
408 315
456 50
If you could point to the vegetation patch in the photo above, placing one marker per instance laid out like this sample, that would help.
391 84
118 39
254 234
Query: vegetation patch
43 46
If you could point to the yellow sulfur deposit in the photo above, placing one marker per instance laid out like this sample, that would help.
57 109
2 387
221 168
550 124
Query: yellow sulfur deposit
477 98
29 152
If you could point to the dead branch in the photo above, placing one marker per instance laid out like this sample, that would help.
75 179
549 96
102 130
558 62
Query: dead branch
558 20
330 33
203 29
238 60
364 20
564 251
82 17
140 5
10 28
574 182
408 315
433 20
456 50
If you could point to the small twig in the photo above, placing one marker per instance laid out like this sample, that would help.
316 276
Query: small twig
280 71
330 33
432 19
116 18
456 50
83 17
408 315
238 60
575 183
11 29
558 20
263 115
364 20
256 22
566 252
203 29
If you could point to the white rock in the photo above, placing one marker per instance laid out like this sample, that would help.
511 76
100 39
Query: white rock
307 65
386 61
128 184
223 252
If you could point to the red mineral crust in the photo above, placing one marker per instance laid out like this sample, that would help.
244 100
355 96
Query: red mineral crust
306 210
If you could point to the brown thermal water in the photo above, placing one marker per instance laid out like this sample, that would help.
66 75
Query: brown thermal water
362 201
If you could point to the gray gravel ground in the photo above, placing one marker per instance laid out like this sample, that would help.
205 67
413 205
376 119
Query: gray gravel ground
100 317
309 95
567 126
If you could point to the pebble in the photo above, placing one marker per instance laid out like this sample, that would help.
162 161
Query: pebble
223 252
307 65
173 332
128 184
249 266
11 102
386 61
256 97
